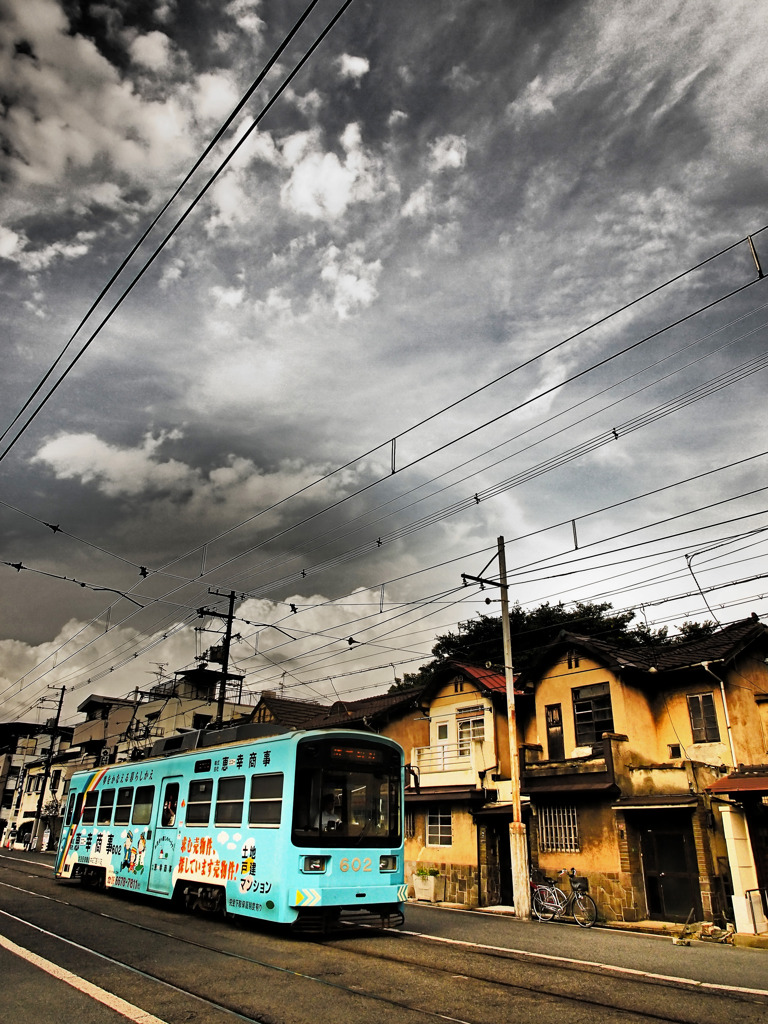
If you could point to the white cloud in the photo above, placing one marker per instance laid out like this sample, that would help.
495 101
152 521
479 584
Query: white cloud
322 186
172 272
352 279
353 67
116 471
245 13
15 247
10 243
420 202
448 152
228 298
215 96
68 107
151 51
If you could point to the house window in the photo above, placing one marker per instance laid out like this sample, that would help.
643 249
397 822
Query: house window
470 729
573 659
439 831
442 732
558 829
675 752
592 713
701 708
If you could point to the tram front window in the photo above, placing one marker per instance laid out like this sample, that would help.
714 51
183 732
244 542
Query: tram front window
346 795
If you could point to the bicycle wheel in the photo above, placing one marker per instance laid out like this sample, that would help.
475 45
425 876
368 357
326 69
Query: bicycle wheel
543 905
584 909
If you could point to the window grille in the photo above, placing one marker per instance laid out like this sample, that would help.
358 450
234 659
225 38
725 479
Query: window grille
439 832
701 708
410 824
558 830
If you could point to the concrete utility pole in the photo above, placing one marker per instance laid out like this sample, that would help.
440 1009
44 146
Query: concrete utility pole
46 774
518 845
225 652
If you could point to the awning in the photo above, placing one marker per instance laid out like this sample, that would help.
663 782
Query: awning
740 784
567 784
449 794
504 811
668 802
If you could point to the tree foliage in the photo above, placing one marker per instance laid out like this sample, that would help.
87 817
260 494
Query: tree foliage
479 640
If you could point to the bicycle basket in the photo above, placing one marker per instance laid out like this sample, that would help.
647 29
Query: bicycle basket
580 884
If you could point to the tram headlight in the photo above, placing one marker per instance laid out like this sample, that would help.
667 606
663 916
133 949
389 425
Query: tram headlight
314 865
387 862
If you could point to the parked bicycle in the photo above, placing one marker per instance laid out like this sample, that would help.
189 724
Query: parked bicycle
548 901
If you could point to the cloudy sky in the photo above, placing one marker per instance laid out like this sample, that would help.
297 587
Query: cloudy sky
471 269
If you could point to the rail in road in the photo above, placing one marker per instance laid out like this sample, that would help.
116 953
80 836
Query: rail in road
179 967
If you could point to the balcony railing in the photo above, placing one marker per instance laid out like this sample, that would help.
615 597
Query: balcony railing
444 757
451 763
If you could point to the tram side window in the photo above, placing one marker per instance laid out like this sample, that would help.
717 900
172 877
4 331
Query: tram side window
105 807
265 804
199 801
142 807
229 801
89 812
124 803
74 807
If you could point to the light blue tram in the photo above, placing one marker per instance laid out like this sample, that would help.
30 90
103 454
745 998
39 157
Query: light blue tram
301 828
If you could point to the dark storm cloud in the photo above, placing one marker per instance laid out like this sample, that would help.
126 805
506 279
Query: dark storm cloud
445 191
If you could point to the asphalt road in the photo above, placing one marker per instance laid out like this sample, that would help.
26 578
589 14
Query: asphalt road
701 962
138 961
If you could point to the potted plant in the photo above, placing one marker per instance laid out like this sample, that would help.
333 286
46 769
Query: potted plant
428 884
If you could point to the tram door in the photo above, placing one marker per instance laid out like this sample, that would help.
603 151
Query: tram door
164 839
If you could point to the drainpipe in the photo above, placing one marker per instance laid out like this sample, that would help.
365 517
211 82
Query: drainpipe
705 666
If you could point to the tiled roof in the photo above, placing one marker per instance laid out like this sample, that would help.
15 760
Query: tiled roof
344 712
722 645
292 712
487 677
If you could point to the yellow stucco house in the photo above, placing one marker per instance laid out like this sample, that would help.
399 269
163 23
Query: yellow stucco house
625 761
645 769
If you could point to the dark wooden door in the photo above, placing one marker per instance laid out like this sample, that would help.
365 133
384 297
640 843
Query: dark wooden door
671 877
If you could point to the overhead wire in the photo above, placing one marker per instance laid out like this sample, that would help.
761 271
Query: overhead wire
165 207
708 306
452 511
173 230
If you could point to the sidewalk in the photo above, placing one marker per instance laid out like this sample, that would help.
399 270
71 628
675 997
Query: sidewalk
661 928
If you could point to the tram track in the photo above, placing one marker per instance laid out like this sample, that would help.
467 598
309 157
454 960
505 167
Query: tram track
481 967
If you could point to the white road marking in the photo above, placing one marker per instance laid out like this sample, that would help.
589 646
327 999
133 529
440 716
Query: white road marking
110 1000
612 968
